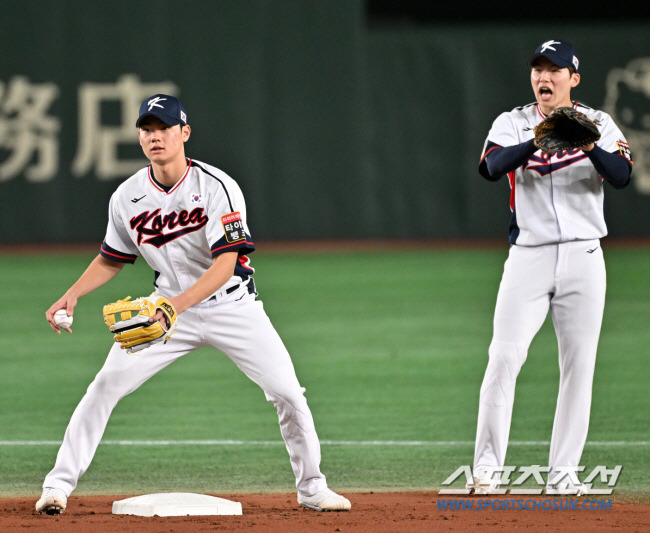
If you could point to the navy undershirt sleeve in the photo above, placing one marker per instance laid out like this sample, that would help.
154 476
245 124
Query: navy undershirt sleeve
613 167
499 161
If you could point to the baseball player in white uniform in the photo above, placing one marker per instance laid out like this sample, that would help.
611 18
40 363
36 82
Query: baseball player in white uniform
555 262
187 219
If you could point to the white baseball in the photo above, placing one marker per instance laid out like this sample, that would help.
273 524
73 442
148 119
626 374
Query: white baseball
62 319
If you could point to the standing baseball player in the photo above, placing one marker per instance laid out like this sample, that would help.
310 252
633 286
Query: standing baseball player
555 262
187 219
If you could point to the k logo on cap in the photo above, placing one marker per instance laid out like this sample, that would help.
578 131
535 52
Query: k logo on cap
171 112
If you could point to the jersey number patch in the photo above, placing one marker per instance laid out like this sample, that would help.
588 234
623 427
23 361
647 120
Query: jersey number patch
233 227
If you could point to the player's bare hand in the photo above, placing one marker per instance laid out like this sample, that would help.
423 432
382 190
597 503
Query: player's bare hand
160 317
65 302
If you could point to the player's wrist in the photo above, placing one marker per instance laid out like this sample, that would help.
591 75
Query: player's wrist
70 297
179 303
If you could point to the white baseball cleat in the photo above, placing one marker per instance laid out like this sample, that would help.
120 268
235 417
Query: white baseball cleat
482 486
53 501
325 500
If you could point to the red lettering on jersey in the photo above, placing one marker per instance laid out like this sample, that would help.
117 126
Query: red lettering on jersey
546 163
150 227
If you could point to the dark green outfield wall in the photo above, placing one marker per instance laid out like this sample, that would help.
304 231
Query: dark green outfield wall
333 127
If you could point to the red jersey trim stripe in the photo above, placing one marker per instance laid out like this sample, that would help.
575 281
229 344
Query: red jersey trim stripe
233 245
512 182
152 180
490 150
130 258
187 171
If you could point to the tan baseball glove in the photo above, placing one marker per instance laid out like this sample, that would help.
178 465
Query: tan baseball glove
130 321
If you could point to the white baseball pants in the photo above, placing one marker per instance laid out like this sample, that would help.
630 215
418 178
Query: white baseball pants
569 279
239 327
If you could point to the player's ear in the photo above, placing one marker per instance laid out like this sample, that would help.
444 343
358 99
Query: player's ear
575 79
185 132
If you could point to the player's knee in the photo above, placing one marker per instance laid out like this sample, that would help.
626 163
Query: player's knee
507 355
294 415
293 421
110 385
293 397
283 385
506 360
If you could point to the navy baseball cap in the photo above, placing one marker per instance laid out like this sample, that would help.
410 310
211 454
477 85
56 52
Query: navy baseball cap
165 107
560 53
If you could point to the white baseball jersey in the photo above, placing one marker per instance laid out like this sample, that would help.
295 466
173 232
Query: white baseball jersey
554 197
179 230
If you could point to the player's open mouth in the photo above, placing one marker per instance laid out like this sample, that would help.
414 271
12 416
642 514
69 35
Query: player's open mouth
545 92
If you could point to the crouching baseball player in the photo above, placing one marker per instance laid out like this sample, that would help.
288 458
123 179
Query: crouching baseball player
187 220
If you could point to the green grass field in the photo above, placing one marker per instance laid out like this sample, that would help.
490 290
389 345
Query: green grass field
391 347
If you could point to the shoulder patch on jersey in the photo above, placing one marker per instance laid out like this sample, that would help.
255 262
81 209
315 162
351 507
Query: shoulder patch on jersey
233 227
624 150
195 198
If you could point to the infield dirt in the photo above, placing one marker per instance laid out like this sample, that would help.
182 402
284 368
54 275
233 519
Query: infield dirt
407 512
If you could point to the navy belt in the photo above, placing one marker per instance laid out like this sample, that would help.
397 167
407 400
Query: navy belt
250 284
